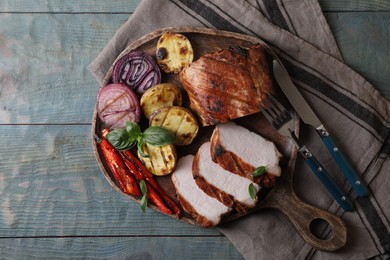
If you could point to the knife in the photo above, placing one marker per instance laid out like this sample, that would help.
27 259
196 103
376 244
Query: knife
284 123
308 116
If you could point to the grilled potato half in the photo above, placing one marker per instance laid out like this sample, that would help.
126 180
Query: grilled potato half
179 120
161 95
161 160
174 51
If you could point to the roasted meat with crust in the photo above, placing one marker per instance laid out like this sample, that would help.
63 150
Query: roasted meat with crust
227 187
206 210
240 151
227 84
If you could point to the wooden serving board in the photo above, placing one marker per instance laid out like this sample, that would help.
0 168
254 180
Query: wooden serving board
281 197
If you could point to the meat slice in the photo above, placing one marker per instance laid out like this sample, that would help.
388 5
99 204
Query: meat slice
227 84
229 188
207 211
238 150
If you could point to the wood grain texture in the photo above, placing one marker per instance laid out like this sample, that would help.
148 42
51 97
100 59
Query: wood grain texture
54 201
356 5
119 248
72 6
51 185
364 40
121 6
47 64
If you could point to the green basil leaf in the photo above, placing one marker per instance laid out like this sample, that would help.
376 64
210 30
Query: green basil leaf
125 138
144 190
157 135
140 147
144 202
119 138
143 187
259 171
252 191
133 129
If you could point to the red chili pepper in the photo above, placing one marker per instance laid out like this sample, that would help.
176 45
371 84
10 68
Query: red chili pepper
152 193
149 177
144 173
126 181
153 196
137 167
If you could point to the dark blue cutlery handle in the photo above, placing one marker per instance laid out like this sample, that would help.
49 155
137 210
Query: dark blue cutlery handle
348 171
327 181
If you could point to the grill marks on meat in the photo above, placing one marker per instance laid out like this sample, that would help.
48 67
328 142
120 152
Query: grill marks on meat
206 210
223 86
227 84
240 151
229 188
216 180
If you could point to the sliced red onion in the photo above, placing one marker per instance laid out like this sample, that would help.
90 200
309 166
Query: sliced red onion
117 104
137 70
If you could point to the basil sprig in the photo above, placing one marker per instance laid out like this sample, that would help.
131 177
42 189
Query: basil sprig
259 171
156 135
256 173
127 137
252 191
144 200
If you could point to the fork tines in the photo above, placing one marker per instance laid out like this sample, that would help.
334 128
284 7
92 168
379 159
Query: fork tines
275 112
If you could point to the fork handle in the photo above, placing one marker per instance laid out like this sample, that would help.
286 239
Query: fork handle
337 193
348 171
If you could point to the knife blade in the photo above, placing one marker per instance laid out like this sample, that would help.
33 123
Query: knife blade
285 123
308 116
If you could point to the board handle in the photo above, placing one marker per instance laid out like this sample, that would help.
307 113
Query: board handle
302 216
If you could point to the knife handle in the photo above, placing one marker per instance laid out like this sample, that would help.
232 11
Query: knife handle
348 171
337 193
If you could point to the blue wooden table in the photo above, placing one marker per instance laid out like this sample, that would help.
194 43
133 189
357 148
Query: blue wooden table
54 200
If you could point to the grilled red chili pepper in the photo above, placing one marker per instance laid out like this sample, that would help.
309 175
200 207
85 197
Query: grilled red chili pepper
126 181
152 193
142 173
153 196
149 177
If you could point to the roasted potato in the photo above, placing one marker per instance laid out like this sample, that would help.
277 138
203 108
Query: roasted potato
174 52
161 160
161 95
179 120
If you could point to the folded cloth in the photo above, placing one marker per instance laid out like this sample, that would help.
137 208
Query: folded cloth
351 109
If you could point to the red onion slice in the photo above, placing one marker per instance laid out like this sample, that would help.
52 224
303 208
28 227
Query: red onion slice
117 104
137 70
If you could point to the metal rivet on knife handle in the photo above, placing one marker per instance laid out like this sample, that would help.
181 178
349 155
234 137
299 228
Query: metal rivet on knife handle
281 119
347 169
309 117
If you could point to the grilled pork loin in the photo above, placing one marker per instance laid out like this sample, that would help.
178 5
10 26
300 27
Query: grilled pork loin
229 188
227 84
238 150
207 211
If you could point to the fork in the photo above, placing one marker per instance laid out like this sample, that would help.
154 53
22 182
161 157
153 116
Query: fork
282 121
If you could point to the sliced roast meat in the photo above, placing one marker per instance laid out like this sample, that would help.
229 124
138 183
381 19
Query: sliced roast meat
229 188
227 84
207 211
238 150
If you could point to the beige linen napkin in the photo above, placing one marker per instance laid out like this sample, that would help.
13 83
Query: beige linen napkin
351 109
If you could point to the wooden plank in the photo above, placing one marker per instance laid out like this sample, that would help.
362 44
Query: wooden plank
72 6
62 53
43 65
119 248
355 5
47 65
120 6
363 40
50 185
